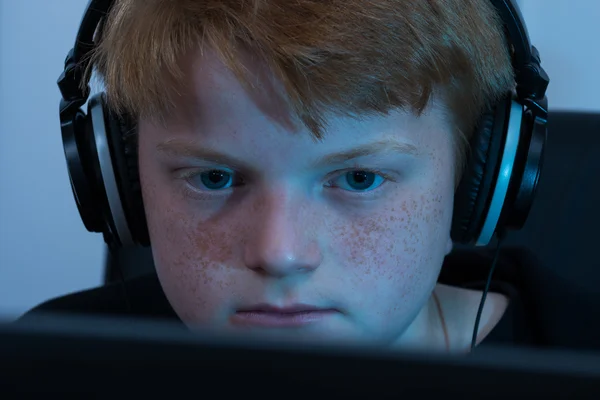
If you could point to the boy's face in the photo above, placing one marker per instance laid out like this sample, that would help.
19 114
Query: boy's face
246 210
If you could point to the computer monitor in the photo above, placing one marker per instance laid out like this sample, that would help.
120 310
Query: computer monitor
115 358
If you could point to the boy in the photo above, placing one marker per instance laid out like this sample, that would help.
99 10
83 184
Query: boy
298 161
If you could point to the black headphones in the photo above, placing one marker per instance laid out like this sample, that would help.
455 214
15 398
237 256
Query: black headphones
496 191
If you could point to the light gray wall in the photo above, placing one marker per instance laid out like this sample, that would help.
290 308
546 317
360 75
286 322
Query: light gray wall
567 33
44 249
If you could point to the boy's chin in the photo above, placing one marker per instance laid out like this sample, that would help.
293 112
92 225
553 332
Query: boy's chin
312 336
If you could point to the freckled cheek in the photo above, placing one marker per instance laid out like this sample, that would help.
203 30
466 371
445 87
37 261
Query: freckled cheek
395 254
375 250
195 259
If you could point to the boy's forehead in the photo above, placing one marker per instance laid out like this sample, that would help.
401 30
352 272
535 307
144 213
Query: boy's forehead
215 88
217 103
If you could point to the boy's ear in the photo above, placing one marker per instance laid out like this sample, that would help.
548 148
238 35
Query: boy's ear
449 245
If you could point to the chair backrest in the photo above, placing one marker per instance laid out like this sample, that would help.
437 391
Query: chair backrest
562 233
562 228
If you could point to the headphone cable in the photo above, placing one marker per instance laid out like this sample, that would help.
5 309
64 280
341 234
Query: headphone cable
501 235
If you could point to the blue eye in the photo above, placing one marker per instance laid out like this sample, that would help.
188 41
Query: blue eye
359 181
216 179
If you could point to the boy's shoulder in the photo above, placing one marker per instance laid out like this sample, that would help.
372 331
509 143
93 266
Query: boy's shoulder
465 273
544 309
140 297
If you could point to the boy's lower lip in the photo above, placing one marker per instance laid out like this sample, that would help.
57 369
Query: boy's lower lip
280 320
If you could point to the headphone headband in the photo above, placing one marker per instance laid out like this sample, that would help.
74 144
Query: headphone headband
532 80
71 79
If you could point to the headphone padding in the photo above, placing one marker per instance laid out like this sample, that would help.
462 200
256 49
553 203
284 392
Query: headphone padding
474 193
122 135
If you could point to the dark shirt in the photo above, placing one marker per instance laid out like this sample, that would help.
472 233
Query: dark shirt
470 269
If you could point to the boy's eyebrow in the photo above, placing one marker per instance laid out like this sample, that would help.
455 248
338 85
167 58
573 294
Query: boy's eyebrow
382 146
191 149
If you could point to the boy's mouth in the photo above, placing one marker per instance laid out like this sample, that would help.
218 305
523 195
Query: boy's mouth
295 315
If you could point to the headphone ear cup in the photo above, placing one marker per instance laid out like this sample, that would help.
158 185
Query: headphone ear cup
122 136
82 166
474 193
